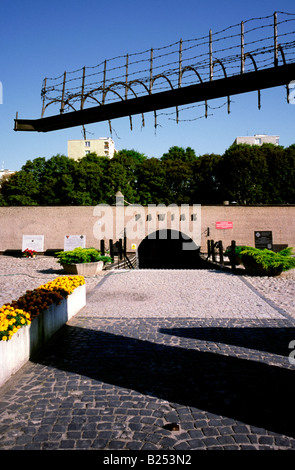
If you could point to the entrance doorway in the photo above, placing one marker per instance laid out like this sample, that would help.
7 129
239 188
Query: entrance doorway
168 249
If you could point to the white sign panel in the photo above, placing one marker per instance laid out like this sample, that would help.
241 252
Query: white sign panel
74 241
33 242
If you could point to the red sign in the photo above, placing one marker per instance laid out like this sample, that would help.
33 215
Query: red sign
224 225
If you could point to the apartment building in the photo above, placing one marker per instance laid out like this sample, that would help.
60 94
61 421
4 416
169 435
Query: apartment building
5 173
258 139
103 147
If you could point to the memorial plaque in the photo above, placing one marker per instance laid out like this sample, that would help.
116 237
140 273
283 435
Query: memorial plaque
33 242
74 241
263 239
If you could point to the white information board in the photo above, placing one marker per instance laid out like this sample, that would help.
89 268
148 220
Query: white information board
74 241
33 242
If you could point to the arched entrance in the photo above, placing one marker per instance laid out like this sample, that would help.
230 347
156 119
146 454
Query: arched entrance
168 249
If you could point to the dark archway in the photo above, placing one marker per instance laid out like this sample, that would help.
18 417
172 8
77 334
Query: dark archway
168 249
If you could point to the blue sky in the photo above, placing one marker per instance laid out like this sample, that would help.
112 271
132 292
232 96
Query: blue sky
43 39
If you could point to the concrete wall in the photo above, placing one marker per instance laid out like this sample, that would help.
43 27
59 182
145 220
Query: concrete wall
108 222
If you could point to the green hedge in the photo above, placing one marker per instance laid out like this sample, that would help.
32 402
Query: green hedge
268 259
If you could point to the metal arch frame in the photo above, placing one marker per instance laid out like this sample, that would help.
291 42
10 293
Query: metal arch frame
218 61
127 87
248 54
190 67
152 81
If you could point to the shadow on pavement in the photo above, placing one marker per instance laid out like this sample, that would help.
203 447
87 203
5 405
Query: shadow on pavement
253 392
271 340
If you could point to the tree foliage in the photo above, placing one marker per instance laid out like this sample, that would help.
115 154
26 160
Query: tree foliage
244 174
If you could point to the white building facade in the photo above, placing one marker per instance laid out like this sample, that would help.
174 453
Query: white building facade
103 147
258 139
4 174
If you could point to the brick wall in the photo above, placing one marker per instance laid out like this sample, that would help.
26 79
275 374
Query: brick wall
56 222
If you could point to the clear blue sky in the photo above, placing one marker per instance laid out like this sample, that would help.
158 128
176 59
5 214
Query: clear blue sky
43 39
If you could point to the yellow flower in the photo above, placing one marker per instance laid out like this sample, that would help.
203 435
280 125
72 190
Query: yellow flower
33 302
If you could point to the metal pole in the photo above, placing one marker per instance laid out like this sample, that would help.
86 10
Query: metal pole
63 94
43 95
210 54
233 257
126 79
220 247
104 82
102 248
242 48
125 243
120 248
82 91
275 40
111 245
151 70
212 250
180 64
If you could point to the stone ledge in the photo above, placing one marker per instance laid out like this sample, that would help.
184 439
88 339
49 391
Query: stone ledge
29 339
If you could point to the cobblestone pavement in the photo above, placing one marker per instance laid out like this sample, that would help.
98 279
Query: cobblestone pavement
197 363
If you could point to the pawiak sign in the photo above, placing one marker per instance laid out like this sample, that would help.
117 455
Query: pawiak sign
224 224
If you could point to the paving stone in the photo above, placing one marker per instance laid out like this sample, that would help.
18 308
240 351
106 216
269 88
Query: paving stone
204 373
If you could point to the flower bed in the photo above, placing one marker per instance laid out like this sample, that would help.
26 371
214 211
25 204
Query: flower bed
27 323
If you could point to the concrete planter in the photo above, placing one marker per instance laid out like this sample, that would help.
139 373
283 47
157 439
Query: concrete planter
84 269
28 340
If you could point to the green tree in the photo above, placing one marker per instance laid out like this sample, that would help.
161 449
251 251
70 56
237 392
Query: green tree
244 172
179 153
279 185
123 172
207 181
151 181
58 184
178 165
20 189
89 180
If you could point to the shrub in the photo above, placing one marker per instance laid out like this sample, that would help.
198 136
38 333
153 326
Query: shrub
238 249
81 255
267 260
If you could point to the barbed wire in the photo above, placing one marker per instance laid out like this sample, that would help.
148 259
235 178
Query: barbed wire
181 63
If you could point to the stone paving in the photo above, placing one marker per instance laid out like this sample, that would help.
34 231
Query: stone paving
159 360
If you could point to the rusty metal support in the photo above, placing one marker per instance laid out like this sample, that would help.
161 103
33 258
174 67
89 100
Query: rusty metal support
82 89
210 55
242 48
43 93
276 60
180 64
63 94
104 82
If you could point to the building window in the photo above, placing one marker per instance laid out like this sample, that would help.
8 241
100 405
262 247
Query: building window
258 141
87 143
87 152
